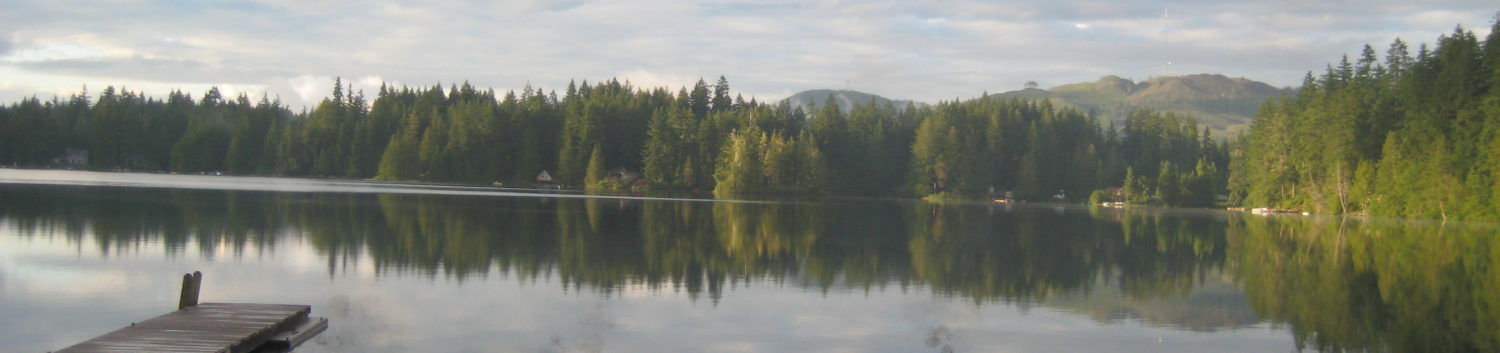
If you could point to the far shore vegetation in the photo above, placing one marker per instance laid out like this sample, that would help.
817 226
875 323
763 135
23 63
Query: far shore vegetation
1409 135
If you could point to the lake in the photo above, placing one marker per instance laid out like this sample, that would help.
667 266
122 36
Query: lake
410 268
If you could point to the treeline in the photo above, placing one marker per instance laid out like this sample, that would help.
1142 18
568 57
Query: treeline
1410 136
700 139
1039 152
124 129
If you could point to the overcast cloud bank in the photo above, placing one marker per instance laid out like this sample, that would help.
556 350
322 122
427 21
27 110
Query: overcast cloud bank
922 50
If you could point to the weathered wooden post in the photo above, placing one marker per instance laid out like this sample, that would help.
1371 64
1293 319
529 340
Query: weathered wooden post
190 285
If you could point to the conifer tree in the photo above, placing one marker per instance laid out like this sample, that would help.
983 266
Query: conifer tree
594 178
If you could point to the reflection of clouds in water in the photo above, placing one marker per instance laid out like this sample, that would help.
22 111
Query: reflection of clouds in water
941 339
592 326
355 326
941 324
49 276
1212 304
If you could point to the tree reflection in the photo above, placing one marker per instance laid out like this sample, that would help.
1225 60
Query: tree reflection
1340 284
1030 255
1349 285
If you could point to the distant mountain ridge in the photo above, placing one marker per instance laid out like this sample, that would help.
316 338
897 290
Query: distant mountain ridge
810 100
1223 104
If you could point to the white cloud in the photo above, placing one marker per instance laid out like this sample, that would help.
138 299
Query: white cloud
310 88
53 51
920 50
643 79
371 81
1442 18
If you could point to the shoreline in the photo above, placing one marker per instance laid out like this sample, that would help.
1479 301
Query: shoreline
10 175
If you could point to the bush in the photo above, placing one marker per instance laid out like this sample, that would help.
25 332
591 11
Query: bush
941 197
1099 197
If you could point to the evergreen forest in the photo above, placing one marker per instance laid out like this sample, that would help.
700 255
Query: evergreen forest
1407 136
701 139
1412 135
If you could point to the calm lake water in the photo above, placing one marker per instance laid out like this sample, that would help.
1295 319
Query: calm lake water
444 269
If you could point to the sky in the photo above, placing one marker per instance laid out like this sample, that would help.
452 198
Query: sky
925 50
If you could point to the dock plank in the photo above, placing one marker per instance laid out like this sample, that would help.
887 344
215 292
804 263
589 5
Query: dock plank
208 328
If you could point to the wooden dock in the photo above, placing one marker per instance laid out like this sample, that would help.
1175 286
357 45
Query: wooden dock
212 328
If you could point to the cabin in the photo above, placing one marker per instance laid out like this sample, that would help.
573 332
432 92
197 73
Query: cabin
1116 194
544 180
1006 198
624 179
624 176
72 158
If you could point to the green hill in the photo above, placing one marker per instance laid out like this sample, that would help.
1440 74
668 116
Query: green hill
1223 104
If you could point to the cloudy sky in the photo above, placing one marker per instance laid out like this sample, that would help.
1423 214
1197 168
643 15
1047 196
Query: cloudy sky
924 50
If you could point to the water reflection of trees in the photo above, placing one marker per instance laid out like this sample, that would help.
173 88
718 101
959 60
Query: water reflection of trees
1030 255
124 219
1340 285
1351 285
698 247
